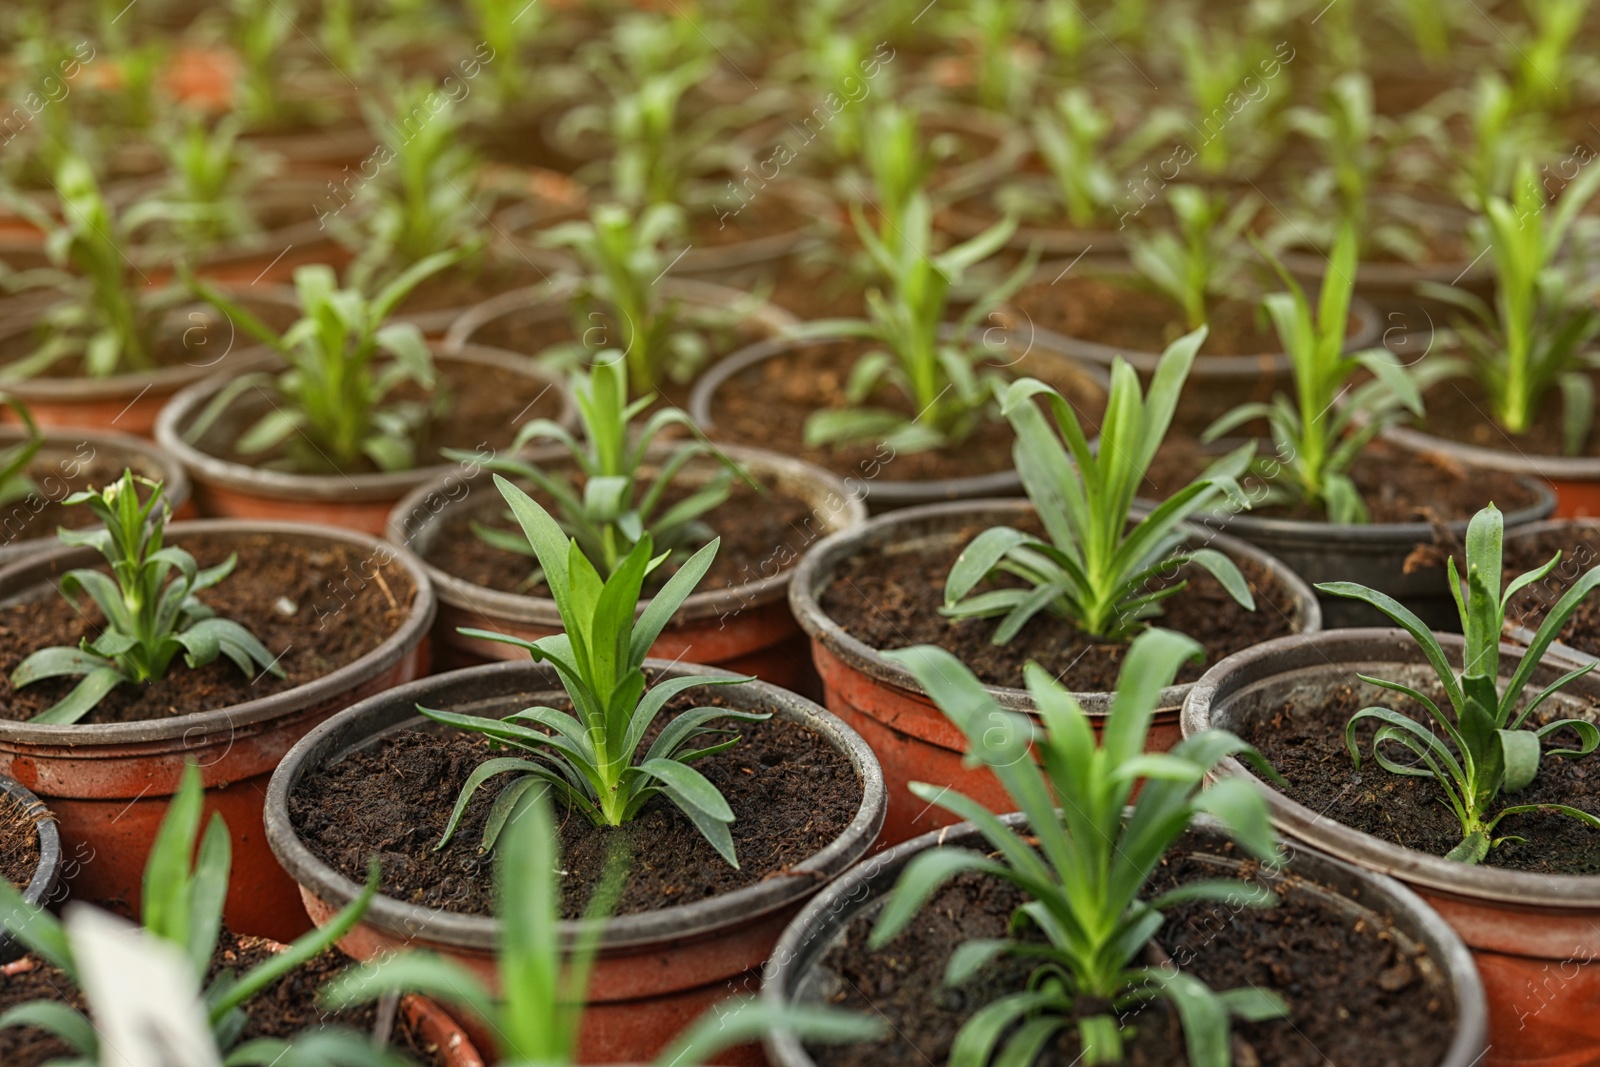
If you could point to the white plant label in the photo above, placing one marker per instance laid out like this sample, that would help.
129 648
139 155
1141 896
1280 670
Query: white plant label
142 993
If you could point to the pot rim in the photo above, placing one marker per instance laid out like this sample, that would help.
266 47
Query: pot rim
548 296
817 564
883 492
48 869
529 680
811 932
1367 334
1327 650
1522 636
283 485
458 592
99 740
1551 468
131 384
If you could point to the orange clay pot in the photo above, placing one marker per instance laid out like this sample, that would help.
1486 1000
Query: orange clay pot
109 784
746 628
657 971
227 489
882 702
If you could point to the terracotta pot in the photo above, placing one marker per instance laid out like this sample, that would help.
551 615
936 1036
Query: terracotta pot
657 971
1217 384
109 784
41 886
886 494
1575 479
1535 937
227 489
797 972
129 402
746 629
59 460
548 302
881 700
523 222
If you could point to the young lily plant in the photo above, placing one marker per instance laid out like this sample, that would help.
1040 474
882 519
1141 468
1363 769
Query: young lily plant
591 755
206 199
110 317
536 1015
1536 335
938 368
1320 433
1095 567
337 409
617 505
151 613
1487 748
1205 258
185 887
1089 859
15 481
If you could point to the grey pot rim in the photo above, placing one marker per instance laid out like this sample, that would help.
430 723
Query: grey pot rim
47 871
814 568
1207 368
280 187
1323 650
130 384
541 611
1522 636
809 932
175 480
34 569
1375 533
283 485
676 923
880 492
767 317
1555 468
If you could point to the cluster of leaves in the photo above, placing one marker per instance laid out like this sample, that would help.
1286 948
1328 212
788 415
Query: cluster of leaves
337 408
210 178
1096 566
184 890
591 755
617 505
1205 258
938 367
15 462
1486 748
1085 858
1321 431
149 603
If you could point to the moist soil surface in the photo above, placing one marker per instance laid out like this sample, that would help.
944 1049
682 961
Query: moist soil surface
284 1009
1356 994
459 287
485 406
1580 552
316 606
1124 316
1458 410
891 598
792 793
767 405
19 841
761 536
1304 740
1396 484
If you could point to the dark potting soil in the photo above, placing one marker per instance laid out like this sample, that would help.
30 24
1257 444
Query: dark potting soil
761 536
318 607
767 405
19 841
463 286
1397 485
891 598
1304 740
1580 553
1124 316
1458 410
58 474
1355 995
792 793
285 1008
744 211
486 405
